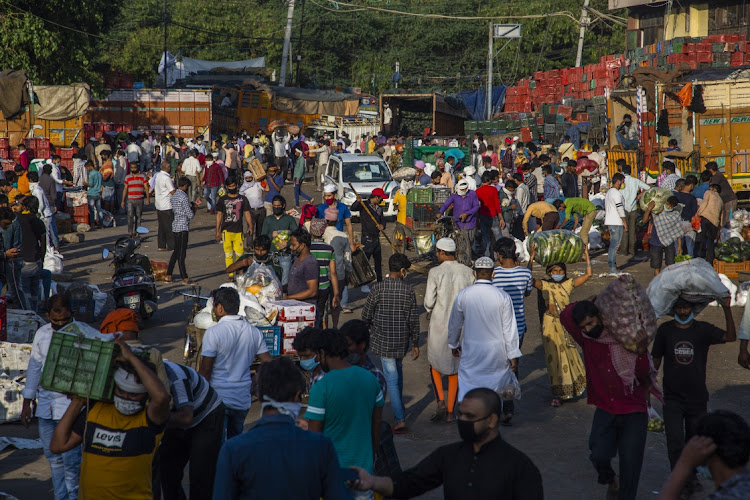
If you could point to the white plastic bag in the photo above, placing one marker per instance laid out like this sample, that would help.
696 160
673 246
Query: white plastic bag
732 291
53 261
694 280
509 389
521 252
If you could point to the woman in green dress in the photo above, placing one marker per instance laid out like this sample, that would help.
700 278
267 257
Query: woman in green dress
567 375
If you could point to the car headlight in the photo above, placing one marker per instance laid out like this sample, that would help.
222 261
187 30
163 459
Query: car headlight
350 195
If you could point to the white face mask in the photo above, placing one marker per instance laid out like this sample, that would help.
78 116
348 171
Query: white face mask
284 407
128 406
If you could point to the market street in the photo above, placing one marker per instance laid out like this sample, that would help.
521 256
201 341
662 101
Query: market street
554 438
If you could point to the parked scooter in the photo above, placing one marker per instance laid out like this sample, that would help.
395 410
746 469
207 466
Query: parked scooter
133 282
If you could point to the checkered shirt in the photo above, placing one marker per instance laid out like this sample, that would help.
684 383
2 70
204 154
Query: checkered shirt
182 211
391 307
668 227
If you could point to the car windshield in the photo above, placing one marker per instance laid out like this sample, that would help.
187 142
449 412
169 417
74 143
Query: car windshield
366 171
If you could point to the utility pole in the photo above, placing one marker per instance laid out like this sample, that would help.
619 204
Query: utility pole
584 23
287 42
490 57
165 49
299 42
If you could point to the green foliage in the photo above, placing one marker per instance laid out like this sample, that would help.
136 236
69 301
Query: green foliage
49 53
358 48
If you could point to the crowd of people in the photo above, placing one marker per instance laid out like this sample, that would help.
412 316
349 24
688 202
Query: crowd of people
321 423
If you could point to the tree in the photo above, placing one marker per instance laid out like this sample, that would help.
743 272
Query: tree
55 41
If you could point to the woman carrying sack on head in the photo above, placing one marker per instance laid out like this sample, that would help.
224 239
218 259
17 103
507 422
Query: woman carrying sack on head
567 375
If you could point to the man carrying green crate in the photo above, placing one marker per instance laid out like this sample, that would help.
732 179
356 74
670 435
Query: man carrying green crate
120 438
51 406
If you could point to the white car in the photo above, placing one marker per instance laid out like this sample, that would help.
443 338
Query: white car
365 173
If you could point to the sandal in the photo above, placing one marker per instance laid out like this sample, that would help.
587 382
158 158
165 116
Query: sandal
439 414
450 418
555 403
189 282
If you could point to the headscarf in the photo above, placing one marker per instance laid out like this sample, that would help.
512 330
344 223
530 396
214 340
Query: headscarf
331 213
120 320
317 227
308 212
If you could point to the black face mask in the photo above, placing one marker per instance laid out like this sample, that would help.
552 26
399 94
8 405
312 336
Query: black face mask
278 210
58 326
468 433
232 191
595 332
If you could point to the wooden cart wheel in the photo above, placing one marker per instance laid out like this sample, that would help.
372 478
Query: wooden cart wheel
399 239
462 245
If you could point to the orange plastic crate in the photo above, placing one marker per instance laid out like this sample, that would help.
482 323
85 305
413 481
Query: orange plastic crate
731 269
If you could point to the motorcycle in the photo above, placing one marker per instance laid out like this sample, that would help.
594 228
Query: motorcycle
133 282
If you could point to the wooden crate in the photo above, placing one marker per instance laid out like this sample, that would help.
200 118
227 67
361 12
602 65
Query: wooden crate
731 269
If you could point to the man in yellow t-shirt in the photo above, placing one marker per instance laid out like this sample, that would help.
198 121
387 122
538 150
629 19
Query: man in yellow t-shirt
119 439
399 202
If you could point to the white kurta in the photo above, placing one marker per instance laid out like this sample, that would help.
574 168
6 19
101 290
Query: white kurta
443 283
484 314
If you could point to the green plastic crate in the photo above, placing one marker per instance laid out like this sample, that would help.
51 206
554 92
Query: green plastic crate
409 209
80 366
418 195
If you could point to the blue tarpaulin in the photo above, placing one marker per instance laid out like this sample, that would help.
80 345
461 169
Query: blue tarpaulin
476 101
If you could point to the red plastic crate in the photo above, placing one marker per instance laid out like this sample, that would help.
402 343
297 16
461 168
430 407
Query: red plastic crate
67 163
15 153
79 211
704 57
4 153
43 153
66 153
4 143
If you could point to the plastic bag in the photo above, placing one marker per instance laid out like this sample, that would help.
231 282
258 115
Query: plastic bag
732 291
558 246
655 422
627 313
694 280
424 243
659 196
404 174
53 260
509 389
521 252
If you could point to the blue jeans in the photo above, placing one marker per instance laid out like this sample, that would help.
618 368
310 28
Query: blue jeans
345 296
95 208
394 378
626 143
65 467
615 237
234 422
31 275
209 193
298 192
488 225
623 435
285 262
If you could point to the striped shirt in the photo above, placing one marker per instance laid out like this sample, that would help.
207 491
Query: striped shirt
323 253
189 388
136 184
516 282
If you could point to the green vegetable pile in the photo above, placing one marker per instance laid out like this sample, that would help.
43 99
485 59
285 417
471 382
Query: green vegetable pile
733 250
555 247
659 196
681 258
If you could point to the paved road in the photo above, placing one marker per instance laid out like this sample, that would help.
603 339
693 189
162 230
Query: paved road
554 438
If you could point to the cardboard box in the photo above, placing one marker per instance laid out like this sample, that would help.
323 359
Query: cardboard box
22 325
11 401
292 328
291 310
287 346
14 359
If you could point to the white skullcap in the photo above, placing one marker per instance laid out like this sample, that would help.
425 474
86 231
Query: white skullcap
330 188
484 263
446 244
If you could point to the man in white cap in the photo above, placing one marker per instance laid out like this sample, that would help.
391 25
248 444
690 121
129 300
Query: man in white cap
443 284
345 215
119 439
468 175
465 208
253 191
482 332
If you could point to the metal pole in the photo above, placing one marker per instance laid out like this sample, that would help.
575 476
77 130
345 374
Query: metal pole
287 41
299 46
489 73
165 48
584 23
398 68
